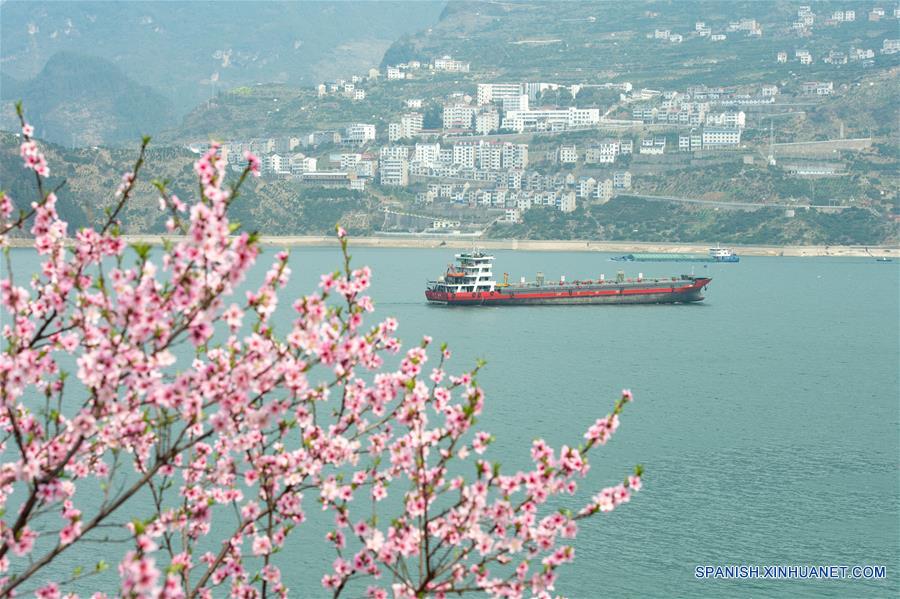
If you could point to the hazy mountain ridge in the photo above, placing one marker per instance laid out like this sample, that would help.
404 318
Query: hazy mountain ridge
80 100
190 49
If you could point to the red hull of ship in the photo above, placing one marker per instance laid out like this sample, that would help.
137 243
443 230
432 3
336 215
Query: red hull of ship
611 293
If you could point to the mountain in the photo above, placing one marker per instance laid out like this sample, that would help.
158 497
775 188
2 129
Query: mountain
190 50
80 100
593 42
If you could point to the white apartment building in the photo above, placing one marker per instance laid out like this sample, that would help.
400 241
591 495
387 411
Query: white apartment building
515 156
489 156
458 116
394 171
517 102
411 123
512 215
359 133
394 152
818 88
447 63
586 187
551 119
394 73
427 153
653 145
890 46
727 119
300 163
567 154
395 132
717 137
486 93
275 164
487 122
414 103
464 154
349 161
782 57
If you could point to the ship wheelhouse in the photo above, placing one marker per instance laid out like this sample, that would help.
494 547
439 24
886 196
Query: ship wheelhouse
472 273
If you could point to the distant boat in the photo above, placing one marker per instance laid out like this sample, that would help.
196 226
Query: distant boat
716 254
720 254
883 259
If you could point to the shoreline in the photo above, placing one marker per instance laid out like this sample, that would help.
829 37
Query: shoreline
624 247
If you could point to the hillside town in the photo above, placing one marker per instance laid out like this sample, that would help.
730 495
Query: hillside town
501 148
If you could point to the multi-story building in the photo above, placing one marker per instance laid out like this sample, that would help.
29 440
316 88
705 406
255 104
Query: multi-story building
486 93
458 116
489 156
411 123
551 119
622 180
394 171
394 73
275 164
394 152
817 88
447 63
782 57
487 121
653 145
515 156
804 56
595 154
727 119
359 133
718 137
519 102
603 192
464 154
300 163
395 132
890 46
586 186
567 154
349 161
427 153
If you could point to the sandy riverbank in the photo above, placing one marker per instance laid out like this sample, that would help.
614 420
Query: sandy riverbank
623 247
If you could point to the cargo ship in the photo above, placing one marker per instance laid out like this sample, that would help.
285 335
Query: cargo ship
716 254
470 282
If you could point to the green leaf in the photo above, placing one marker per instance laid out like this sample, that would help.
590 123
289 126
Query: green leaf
138 526
142 249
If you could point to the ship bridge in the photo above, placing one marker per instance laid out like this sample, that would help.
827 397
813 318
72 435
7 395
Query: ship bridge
472 272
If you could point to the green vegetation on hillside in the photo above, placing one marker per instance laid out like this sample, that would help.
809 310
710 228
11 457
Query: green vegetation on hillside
630 219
